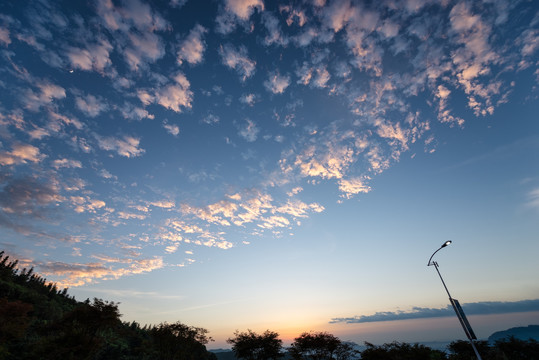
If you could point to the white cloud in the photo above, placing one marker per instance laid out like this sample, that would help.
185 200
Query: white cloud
67 163
128 146
48 93
211 119
237 59
243 9
21 154
78 274
90 105
172 129
94 57
277 83
192 47
353 186
174 96
249 131
145 47
248 99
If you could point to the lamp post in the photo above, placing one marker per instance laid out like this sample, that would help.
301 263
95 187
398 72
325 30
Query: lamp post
456 306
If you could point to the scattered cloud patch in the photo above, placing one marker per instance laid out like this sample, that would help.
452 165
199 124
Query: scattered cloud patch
277 83
193 46
236 58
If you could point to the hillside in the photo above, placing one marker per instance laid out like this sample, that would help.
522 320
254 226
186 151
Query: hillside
521 333
38 321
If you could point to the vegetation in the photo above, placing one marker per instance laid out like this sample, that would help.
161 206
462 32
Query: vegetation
252 346
39 321
321 346
401 351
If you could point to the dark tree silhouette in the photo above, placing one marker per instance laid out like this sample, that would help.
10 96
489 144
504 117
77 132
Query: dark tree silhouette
462 350
252 346
37 321
513 348
321 346
401 351
179 341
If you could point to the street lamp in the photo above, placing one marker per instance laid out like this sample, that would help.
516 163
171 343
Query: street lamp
456 306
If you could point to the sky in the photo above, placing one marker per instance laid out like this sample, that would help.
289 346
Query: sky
292 165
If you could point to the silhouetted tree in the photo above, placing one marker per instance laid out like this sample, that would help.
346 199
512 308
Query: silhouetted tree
321 346
462 350
252 346
400 351
179 341
512 349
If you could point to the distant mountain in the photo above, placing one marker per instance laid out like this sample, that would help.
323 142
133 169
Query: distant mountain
522 333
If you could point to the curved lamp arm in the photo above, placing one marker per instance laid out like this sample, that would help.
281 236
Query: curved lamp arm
441 247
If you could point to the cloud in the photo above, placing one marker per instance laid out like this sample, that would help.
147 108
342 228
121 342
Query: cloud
243 9
78 274
21 154
237 59
277 83
164 204
137 23
133 14
193 46
473 57
128 146
47 95
130 111
249 131
248 99
147 46
83 204
66 163
210 119
353 186
316 76
478 308
326 161
90 105
175 96
172 129
27 196
294 15
4 36
94 57
533 198
275 36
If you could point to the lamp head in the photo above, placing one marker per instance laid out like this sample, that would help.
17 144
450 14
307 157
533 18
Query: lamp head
446 243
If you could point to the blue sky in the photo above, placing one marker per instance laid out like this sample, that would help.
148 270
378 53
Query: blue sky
246 164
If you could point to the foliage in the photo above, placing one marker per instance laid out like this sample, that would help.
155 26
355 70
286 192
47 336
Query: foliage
38 321
252 346
400 351
504 349
321 346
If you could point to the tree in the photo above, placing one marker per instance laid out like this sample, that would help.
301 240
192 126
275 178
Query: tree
252 346
179 341
513 348
400 351
321 346
462 350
